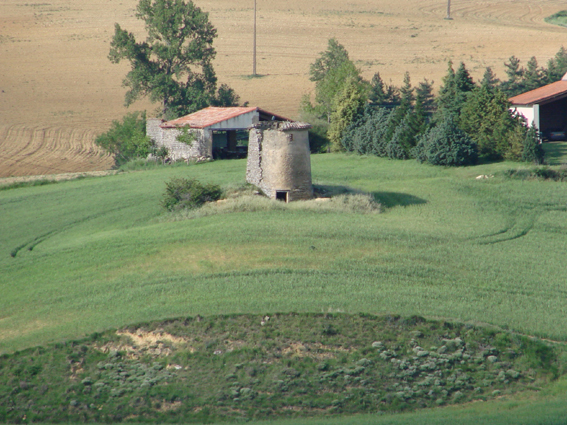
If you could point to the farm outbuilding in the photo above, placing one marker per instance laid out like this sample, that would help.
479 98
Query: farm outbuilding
219 132
545 107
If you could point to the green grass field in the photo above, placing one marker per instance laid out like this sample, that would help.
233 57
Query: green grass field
87 255
559 18
556 153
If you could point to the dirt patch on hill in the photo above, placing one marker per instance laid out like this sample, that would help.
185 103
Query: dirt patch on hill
140 342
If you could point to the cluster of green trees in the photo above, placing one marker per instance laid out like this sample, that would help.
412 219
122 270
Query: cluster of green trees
465 122
521 79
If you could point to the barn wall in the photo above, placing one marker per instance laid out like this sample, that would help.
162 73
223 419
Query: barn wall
242 122
153 131
201 147
528 113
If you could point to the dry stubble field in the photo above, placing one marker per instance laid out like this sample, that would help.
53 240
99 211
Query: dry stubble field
58 89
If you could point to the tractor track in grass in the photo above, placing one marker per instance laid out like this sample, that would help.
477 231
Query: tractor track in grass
518 227
31 244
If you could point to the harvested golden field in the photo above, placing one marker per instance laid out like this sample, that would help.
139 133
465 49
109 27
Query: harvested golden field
58 89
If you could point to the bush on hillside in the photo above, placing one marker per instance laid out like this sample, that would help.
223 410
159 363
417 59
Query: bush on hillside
400 145
487 119
127 140
347 106
183 193
537 174
318 140
445 144
533 150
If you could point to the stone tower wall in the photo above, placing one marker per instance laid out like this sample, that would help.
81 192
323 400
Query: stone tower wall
279 160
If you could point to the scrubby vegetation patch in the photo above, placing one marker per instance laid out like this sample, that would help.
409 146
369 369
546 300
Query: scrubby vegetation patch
544 173
181 193
282 365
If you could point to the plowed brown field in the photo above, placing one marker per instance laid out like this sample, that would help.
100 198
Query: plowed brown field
58 89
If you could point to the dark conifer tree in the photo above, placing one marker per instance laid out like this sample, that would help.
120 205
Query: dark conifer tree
533 75
489 79
515 73
424 96
453 93
446 144
406 102
398 147
463 80
556 66
447 90
377 90
533 151
407 92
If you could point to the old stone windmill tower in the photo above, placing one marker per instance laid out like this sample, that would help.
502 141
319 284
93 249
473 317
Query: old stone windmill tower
279 161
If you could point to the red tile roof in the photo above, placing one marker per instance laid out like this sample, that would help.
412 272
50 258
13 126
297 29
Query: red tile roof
542 94
214 115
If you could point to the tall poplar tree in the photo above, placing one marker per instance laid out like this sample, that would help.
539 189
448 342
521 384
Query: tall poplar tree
173 66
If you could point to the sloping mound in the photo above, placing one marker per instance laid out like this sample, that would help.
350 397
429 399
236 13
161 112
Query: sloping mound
281 365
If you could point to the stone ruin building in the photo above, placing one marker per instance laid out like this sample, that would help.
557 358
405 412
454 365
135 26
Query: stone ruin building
279 161
217 132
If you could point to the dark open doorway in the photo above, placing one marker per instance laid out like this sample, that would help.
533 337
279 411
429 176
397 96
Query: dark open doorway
282 195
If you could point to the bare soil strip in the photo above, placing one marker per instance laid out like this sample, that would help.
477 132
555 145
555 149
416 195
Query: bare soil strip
55 177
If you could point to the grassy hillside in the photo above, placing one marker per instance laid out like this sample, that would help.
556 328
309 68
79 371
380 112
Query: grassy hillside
91 254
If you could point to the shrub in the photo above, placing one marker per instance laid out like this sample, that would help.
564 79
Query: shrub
126 140
446 144
357 203
183 193
533 151
398 148
347 105
536 174
486 118
318 140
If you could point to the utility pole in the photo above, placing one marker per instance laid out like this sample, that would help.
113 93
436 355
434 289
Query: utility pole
254 66
448 10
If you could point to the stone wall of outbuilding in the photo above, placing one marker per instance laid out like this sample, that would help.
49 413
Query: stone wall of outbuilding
201 147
